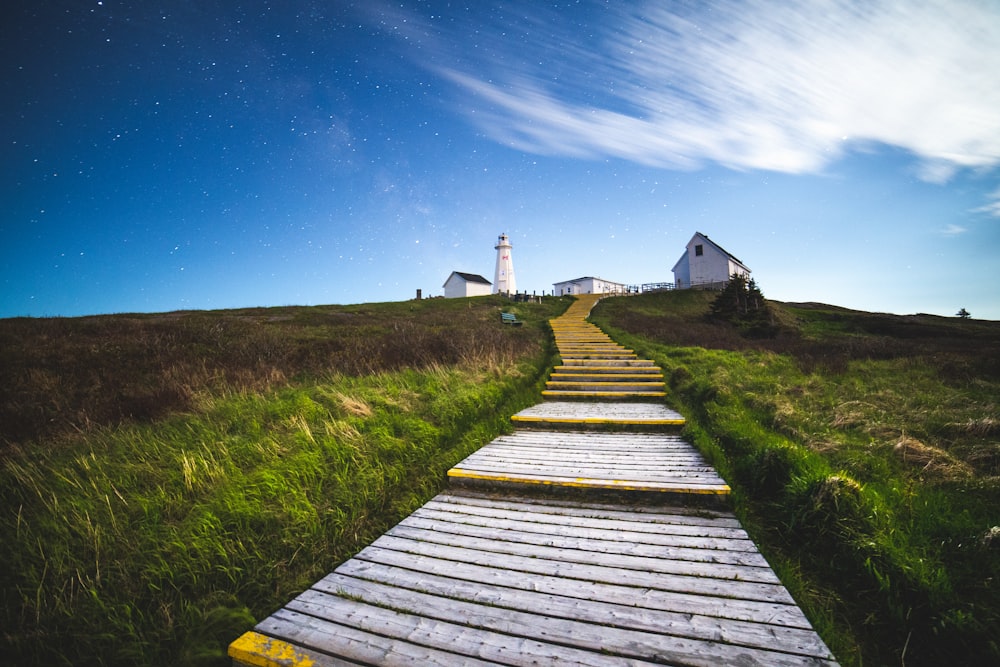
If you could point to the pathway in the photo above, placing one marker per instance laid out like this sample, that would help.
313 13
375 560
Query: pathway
593 535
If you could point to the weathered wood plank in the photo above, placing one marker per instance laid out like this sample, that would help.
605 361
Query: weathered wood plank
253 649
753 611
591 544
600 467
543 626
639 412
595 510
586 572
608 614
320 636
608 465
637 530
564 467
571 452
459 475
600 439
658 563
662 539
387 627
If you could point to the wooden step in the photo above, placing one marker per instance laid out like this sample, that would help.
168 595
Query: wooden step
473 579
599 395
572 414
611 385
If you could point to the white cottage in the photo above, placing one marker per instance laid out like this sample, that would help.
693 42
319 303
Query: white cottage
466 284
706 264
588 285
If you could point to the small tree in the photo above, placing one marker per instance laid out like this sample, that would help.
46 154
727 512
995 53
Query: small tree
742 303
964 314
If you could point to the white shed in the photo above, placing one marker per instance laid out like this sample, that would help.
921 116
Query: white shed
588 285
706 264
466 284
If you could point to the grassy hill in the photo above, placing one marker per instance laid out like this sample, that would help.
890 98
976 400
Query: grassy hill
864 453
167 479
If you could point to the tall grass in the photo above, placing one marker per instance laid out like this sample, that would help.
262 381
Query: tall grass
862 462
153 543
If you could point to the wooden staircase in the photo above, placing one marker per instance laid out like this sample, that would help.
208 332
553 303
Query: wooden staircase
594 366
569 542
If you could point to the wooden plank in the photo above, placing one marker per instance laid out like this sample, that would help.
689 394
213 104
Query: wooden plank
601 527
600 441
754 611
641 513
398 632
718 549
484 466
747 633
487 465
253 649
408 642
592 544
678 520
549 629
639 412
618 447
658 563
459 475
611 393
567 453
596 573
542 457
638 457
564 457
734 539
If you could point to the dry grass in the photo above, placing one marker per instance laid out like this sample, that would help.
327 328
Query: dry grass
60 376
931 461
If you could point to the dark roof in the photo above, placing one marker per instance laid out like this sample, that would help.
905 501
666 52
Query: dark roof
471 277
580 280
722 250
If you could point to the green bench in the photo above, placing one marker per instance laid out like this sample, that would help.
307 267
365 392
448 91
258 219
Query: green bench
510 318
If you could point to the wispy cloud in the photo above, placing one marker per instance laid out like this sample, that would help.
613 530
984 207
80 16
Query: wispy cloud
953 230
991 209
783 85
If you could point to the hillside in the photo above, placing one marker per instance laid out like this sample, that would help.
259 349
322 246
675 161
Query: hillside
60 376
167 479
864 450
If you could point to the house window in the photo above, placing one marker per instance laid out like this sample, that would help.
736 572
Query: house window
699 250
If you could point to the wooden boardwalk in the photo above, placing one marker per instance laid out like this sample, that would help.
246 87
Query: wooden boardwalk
500 570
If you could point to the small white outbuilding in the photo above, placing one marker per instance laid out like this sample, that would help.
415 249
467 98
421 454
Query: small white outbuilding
466 284
588 285
706 264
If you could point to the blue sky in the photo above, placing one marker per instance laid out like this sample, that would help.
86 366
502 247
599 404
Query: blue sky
201 155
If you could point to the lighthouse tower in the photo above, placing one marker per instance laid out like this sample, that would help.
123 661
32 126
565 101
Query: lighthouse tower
503 279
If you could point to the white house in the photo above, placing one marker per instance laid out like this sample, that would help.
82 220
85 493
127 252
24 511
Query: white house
706 264
588 285
466 284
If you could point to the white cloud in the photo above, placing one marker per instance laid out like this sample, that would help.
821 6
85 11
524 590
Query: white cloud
768 84
953 230
992 208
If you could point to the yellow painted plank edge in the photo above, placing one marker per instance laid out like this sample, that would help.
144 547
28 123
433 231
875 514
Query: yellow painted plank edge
585 483
606 394
598 420
253 648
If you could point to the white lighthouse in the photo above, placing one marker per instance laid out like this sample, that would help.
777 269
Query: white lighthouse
503 279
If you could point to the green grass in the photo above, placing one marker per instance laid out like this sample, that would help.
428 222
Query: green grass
863 453
158 541
166 480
